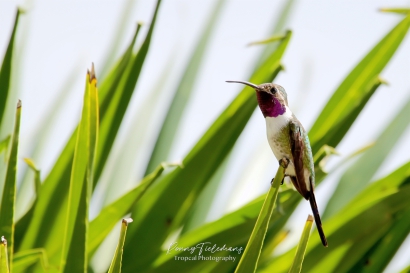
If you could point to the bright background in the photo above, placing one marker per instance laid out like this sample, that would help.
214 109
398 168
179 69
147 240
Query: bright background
58 41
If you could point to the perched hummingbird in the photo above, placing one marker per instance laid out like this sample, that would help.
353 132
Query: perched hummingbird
288 139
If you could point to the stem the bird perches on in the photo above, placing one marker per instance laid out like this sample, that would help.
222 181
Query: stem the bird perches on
249 259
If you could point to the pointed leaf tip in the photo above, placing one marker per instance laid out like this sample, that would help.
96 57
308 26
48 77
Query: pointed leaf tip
19 104
126 221
310 218
92 73
3 240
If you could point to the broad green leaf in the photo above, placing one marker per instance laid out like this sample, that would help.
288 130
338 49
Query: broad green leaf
355 229
380 254
5 70
4 260
9 191
185 184
116 263
301 249
101 226
183 93
361 172
74 256
22 261
336 133
250 257
355 86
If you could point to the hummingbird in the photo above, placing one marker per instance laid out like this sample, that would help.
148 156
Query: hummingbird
288 139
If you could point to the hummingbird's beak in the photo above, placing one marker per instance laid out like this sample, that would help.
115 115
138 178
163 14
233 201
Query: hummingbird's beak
246 83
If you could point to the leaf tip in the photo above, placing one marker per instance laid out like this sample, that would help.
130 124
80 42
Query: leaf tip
3 241
91 73
310 218
126 221
19 104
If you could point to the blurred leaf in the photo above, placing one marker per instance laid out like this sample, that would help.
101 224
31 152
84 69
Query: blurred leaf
361 172
4 144
301 249
9 192
406 270
381 253
183 93
117 259
73 257
101 226
337 132
279 26
272 39
199 166
5 70
355 87
396 10
24 259
4 260
250 257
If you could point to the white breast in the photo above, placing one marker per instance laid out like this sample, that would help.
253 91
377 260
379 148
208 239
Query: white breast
273 127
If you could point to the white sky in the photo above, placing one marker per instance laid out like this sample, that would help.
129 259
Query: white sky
329 38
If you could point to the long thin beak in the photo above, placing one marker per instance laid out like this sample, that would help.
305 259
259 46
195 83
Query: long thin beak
246 83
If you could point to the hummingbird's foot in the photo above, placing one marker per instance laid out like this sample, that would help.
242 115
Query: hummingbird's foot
284 162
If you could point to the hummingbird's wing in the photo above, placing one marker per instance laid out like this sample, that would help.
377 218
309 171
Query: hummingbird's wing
297 147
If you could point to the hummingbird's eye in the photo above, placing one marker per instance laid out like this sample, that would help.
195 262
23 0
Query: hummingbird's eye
273 90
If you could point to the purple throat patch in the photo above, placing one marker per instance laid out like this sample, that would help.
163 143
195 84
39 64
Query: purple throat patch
269 105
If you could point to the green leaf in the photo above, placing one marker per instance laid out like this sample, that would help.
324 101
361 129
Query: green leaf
23 260
356 85
73 256
4 144
272 39
381 253
185 184
118 104
116 263
396 10
37 181
250 258
340 128
9 192
101 226
4 260
355 229
361 172
5 70
55 187
301 249
183 93
24 221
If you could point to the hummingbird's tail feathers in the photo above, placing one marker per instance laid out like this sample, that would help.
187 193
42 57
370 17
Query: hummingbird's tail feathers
318 222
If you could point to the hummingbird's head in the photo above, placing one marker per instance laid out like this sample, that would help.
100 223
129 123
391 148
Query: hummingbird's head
272 98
